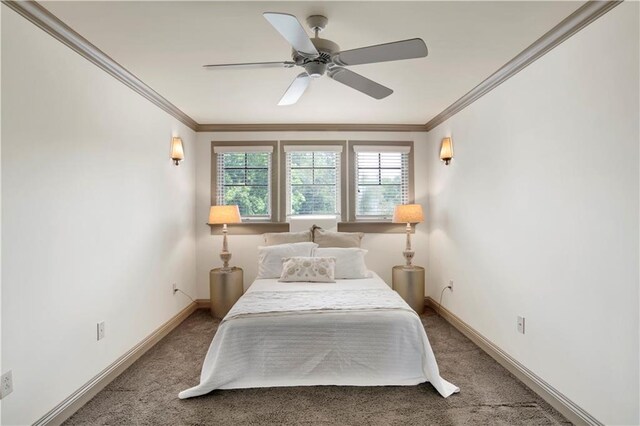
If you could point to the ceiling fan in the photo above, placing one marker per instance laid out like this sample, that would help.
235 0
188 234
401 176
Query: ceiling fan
319 56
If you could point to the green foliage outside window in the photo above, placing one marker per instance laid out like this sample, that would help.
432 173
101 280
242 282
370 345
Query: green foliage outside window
312 180
245 182
313 186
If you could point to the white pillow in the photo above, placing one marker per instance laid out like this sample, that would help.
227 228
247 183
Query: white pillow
349 261
270 257
308 269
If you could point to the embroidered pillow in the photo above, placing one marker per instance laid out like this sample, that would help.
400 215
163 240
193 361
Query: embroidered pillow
308 269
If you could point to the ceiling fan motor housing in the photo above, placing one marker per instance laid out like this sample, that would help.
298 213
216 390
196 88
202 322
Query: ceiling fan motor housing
316 67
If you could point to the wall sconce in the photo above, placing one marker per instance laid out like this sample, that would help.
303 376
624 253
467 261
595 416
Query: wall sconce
446 151
177 151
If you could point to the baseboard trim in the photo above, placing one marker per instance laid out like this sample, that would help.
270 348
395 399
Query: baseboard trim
555 398
203 303
71 404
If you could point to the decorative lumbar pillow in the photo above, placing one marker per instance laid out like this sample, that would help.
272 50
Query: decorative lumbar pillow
349 261
336 239
276 238
308 269
270 258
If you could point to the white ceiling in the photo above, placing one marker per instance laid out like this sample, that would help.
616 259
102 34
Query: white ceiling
166 43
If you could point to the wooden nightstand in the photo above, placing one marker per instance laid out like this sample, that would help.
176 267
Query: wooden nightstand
225 288
409 283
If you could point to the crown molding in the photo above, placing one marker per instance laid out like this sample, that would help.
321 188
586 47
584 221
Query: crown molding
44 19
311 127
582 17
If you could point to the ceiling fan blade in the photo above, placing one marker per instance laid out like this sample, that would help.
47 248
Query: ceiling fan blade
360 83
295 90
395 51
286 64
290 28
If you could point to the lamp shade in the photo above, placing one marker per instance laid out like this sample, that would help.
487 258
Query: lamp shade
177 151
446 150
408 213
221 215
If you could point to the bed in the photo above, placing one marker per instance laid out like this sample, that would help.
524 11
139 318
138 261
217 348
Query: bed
355 332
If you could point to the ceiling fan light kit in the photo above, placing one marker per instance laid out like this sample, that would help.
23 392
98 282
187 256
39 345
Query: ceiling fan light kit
319 56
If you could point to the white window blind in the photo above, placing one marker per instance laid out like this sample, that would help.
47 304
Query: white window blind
244 178
382 180
313 180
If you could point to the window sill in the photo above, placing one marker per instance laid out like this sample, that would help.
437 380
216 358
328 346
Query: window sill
251 228
373 227
256 228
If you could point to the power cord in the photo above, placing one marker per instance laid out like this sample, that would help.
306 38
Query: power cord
440 302
450 287
175 290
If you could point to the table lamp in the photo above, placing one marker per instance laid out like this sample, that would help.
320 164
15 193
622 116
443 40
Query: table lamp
222 215
408 213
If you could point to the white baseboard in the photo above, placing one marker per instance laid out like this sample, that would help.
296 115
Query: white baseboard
71 404
555 398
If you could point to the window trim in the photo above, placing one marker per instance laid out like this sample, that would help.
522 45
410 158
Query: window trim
274 175
353 170
277 223
283 181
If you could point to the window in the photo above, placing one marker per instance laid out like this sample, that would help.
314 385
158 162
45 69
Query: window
313 179
381 180
243 177
359 181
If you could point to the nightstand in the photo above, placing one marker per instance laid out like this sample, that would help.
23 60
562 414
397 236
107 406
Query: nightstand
409 283
225 288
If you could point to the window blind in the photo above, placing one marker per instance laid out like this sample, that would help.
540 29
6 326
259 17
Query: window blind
382 181
313 181
244 178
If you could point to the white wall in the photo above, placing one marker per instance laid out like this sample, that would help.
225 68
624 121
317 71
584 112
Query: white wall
538 216
1 369
385 250
97 223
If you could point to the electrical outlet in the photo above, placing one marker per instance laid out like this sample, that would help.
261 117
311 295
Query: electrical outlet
174 287
521 325
451 285
6 384
100 327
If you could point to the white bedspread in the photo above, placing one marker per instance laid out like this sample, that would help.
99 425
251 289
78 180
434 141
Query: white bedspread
305 301
351 333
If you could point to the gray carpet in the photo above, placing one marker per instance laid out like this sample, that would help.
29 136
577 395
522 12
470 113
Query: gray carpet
147 393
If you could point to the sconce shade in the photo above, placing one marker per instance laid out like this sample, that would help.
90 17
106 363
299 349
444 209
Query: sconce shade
446 150
177 152
408 213
222 215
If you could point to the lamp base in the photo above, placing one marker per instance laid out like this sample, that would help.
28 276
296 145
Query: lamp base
225 256
408 255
